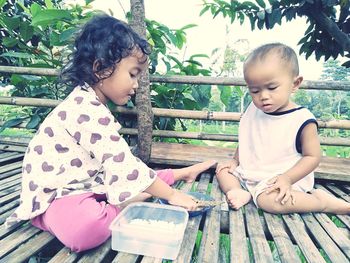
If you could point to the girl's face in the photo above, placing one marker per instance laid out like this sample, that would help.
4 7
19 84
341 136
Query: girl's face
271 84
122 84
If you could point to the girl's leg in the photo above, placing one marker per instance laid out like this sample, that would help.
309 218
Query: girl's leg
236 196
317 201
80 222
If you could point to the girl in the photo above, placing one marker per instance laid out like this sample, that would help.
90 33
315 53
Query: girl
78 172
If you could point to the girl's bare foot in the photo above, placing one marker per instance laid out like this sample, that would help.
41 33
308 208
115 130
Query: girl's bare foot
236 198
189 174
332 204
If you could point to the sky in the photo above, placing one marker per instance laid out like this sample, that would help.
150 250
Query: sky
211 33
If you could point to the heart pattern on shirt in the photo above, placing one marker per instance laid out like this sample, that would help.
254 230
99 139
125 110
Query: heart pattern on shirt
119 157
38 149
104 121
60 149
46 167
113 179
32 186
49 131
76 162
133 176
83 118
62 115
95 137
123 196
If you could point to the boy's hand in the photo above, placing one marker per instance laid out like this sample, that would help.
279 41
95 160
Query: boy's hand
283 186
231 165
181 199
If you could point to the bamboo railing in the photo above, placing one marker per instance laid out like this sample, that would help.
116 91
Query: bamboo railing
185 114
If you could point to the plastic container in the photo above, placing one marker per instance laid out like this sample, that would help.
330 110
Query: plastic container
149 229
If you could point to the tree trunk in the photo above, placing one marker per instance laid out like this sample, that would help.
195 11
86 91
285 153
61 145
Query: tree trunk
143 102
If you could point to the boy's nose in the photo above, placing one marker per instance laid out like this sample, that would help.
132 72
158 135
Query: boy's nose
264 94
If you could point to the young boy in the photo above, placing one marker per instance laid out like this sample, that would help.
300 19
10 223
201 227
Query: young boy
278 142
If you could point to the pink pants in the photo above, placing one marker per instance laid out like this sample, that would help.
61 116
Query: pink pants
82 221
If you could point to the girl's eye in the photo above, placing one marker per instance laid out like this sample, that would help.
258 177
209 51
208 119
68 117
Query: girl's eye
254 91
272 88
132 75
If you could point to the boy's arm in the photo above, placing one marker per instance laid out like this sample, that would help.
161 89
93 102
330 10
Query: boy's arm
311 152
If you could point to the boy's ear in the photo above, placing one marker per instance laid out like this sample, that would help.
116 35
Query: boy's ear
95 68
297 82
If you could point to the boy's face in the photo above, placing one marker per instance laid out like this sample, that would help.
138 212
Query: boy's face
122 84
270 82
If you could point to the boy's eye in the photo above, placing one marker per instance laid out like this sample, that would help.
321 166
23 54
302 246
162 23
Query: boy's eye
254 91
272 88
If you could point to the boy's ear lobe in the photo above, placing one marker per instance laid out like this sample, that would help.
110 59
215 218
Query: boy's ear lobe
297 82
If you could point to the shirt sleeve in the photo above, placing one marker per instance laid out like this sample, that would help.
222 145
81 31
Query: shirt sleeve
95 129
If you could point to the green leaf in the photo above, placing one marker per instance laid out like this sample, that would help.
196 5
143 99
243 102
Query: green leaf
225 94
2 3
87 2
16 55
12 123
261 3
34 122
202 95
261 14
9 41
205 9
48 16
188 26
67 34
26 31
35 9
49 4
11 23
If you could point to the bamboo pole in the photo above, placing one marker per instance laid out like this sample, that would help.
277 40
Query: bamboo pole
208 136
169 113
196 80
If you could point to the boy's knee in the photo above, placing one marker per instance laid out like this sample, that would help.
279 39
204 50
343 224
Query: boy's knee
267 203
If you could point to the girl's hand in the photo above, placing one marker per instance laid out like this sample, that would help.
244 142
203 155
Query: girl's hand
231 165
181 199
283 186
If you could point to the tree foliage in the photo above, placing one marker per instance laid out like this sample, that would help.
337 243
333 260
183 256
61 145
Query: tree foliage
40 34
328 32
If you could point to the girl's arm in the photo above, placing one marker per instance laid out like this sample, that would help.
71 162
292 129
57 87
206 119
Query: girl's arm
311 152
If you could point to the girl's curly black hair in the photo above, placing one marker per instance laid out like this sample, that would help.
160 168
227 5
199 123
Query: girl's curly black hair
102 43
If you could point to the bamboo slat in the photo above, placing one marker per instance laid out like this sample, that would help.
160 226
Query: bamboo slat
302 238
209 249
260 247
97 254
283 243
239 245
65 255
25 251
190 235
125 258
199 80
327 244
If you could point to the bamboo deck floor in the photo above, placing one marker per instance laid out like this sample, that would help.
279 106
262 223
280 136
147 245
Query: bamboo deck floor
253 235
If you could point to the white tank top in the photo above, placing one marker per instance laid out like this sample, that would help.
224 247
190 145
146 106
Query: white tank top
269 143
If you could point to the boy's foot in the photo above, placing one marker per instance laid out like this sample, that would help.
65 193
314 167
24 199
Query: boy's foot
333 204
189 174
236 198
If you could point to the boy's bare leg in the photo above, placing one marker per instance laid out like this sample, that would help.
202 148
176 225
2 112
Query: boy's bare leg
317 201
236 196
190 173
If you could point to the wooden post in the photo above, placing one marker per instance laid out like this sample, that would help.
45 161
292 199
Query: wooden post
143 99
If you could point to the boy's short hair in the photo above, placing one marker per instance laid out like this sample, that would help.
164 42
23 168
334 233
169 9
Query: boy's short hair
286 53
